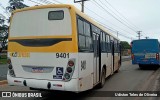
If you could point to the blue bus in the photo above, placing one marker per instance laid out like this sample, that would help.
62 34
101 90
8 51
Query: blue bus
145 52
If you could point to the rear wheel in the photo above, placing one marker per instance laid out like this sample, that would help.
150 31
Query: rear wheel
103 78
141 66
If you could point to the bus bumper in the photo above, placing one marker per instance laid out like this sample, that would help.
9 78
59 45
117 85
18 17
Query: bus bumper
146 62
72 85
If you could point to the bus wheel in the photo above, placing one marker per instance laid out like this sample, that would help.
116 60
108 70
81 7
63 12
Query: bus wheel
103 78
140 66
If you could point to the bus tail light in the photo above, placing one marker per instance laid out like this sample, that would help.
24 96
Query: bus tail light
10 68
132 56
69 70
70 63
157 56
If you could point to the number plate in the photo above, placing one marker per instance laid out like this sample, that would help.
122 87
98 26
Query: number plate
151 55
37 70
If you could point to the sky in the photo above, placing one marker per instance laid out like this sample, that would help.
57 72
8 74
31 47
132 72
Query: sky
122 17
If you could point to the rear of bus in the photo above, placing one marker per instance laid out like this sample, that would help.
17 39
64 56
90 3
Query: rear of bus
145 52
42 51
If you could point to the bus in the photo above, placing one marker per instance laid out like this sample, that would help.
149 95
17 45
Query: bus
57 47
145 52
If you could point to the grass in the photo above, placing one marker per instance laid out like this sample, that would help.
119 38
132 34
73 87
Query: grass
3 59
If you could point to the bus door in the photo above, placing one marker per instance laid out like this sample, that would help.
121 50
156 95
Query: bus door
96 58
112 51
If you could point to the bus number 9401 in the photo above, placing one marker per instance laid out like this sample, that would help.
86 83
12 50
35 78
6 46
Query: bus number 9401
62 55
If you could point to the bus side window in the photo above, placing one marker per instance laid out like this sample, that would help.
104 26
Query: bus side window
80 26
109 45
84 35
104 40
101 40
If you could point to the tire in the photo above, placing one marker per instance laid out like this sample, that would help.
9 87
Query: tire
103 78
140 66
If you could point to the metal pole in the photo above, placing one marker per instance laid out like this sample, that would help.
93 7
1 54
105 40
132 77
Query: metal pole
82 5
139 34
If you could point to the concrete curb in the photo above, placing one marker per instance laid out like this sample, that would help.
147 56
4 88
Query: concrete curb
3 82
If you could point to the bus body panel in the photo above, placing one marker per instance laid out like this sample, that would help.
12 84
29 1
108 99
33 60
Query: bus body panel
41 25
106 61
85 70
42 84
116 61
33 49
41 65
145 52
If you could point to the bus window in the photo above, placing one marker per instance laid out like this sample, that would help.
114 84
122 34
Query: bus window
95 29
87 29
84 34
56 15
108 43
82 42
80 26
104 39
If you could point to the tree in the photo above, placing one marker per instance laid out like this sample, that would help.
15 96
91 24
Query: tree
18 4
125 45
3 33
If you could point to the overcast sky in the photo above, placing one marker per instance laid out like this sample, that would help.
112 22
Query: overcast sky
124 16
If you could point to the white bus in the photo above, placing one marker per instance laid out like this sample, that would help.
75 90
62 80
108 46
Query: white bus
56 47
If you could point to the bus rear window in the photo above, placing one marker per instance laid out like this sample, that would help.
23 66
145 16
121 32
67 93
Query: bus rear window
56 15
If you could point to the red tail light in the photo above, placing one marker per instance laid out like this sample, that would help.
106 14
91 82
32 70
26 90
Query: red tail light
157 56
132 56
69 70
70 63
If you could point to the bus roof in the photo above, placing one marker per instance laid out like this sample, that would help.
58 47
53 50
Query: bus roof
145 40
67 6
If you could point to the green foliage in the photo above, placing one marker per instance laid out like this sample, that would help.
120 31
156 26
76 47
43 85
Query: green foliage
3 33
18 4
125 45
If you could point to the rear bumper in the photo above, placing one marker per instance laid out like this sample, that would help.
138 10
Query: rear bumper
72 85
152 62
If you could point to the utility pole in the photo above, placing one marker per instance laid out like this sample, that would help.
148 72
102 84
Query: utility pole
139 34
146 37
82 6
76 1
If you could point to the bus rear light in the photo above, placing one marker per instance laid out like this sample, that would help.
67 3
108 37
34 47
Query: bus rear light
157 56
69 70
17 81
132 56
70 63
67 76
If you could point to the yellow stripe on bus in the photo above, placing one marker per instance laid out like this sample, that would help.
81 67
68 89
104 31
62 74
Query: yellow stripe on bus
64 46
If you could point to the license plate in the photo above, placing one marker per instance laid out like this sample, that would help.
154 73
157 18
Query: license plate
37 70
150 55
